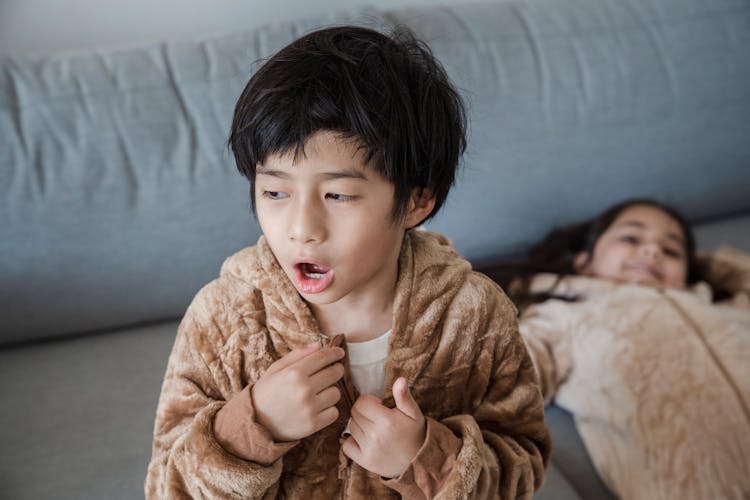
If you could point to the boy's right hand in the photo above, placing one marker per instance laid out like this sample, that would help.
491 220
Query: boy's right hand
296 397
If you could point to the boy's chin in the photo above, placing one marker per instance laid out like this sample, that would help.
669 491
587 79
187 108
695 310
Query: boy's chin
318 299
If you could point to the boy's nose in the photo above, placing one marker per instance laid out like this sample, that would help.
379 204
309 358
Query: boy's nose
306 224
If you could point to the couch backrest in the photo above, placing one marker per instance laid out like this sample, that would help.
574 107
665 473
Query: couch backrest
119 199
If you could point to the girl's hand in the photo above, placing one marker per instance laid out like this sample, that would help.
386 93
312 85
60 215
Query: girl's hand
296 397
385 440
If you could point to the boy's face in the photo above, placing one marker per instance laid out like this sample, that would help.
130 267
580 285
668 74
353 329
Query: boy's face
642 245
328 218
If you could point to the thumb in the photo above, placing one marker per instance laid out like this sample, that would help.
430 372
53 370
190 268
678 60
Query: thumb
404 401
293 356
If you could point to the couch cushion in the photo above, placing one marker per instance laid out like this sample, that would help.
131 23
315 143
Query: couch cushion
77 415
570 458
556 486
734 231
118 198
576 105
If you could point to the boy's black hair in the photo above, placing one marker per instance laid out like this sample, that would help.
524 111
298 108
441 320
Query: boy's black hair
387 92
557 251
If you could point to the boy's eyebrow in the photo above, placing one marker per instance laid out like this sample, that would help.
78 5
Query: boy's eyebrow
345 173
672 236
273 173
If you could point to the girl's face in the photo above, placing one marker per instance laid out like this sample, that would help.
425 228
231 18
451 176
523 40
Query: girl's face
642 245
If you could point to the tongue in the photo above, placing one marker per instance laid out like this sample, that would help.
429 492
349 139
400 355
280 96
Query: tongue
313 268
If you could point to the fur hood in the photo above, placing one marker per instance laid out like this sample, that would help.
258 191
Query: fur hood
438 270
658 380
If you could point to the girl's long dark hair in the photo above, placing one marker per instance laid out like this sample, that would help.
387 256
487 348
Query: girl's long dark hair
557 251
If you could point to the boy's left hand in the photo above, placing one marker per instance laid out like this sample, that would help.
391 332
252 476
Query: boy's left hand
385 440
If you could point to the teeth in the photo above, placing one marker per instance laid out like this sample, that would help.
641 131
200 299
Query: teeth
312 271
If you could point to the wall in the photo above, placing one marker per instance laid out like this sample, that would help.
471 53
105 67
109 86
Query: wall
44 26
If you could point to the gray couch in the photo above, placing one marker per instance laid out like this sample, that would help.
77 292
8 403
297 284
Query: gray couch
119 199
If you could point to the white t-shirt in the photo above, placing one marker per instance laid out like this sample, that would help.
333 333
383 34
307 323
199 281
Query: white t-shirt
367 364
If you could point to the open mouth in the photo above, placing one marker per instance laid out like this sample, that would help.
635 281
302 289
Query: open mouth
312 271
312 277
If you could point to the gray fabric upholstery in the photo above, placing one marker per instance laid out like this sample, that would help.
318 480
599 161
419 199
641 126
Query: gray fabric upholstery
119 199
734 231
78 415
118 196
86 408
578 104
556 486
569 456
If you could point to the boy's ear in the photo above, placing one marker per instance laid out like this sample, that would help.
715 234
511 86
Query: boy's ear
581 261
421 203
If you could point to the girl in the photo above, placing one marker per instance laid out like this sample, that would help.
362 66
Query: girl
648 346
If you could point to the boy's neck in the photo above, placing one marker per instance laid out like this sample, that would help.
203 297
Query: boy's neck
366 312
358 319
354 324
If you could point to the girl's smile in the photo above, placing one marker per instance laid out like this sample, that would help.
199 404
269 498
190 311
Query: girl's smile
642 245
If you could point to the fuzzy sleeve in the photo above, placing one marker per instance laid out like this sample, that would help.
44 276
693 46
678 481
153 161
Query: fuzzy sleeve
188 460
501 449
548 341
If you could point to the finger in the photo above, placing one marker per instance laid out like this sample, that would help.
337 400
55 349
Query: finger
327 398
293 356
326 418
404 400
370 407
357 432
327 376
318 360
351 449
363 420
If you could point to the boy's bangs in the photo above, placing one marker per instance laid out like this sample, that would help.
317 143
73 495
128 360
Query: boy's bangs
363 85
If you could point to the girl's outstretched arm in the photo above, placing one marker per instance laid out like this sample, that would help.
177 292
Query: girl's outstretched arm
543 329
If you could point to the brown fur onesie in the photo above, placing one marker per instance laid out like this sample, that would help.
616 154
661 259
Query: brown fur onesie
454 339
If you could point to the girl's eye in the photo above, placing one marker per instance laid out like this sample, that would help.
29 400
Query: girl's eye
339 197
629 239
671 252
274 195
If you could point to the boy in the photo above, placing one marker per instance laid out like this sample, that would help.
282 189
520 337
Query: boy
350 138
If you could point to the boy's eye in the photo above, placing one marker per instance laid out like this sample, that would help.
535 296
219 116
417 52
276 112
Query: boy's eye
339 197
274 195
